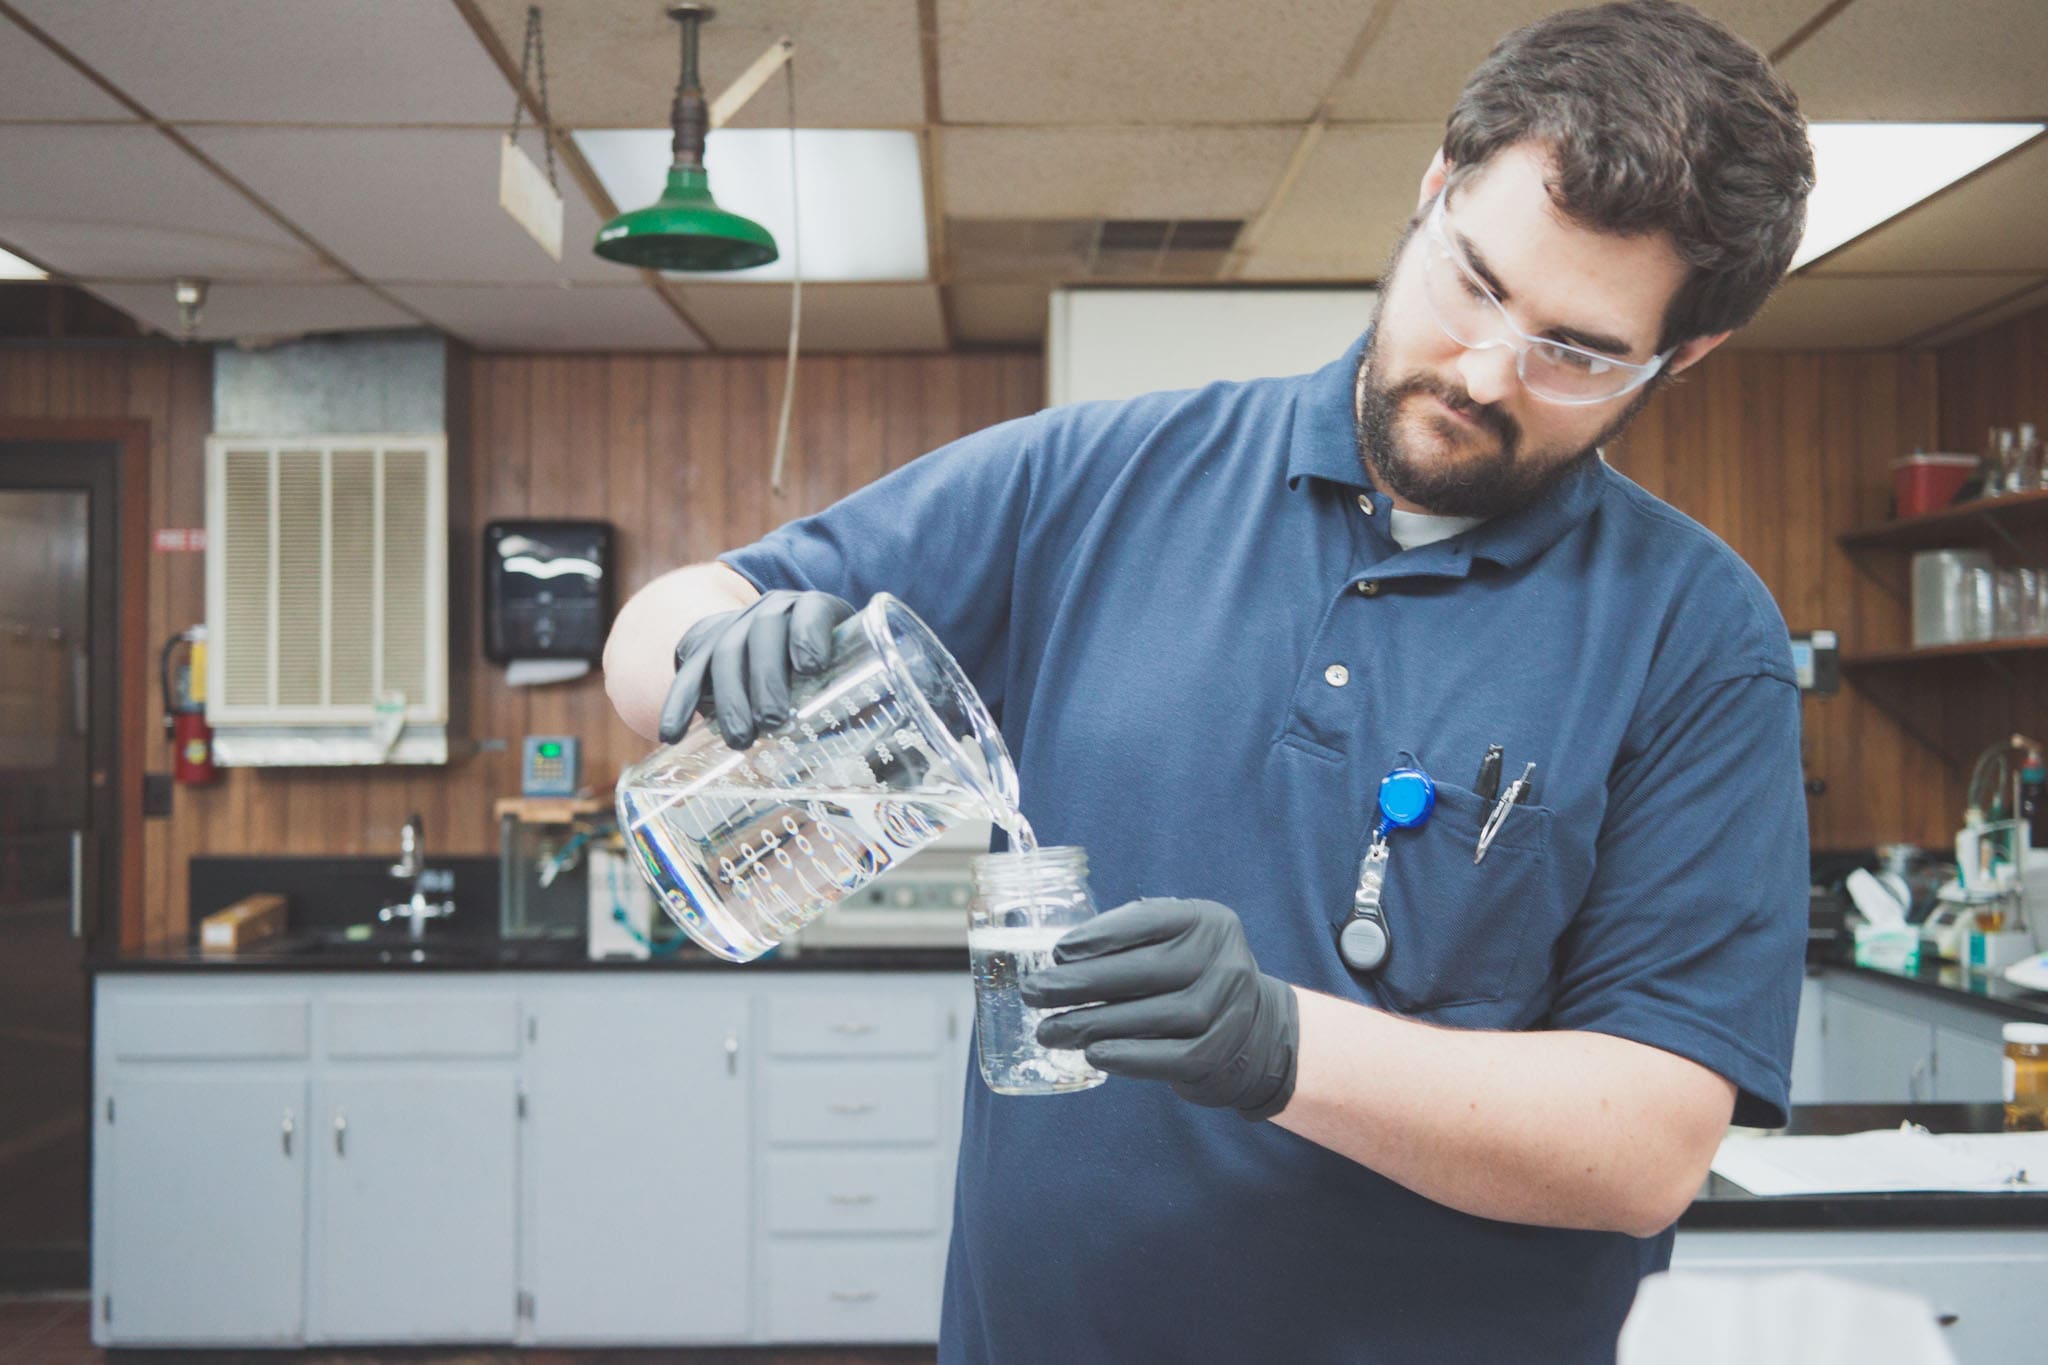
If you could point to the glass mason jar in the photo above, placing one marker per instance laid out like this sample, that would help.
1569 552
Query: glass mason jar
1023 902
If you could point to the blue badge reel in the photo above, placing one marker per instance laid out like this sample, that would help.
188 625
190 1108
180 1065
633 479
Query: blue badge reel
1407 796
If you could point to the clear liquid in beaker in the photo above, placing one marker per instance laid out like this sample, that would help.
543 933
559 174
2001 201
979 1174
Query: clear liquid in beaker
1012 1061
744 868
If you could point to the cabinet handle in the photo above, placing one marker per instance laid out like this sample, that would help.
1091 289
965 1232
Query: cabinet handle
1947 1319
853 1028
852 1295
289 1126
341 1135
1913 1080
863 1107
851 1198
732 1054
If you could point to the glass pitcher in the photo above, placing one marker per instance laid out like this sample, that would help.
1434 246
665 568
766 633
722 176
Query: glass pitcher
885 748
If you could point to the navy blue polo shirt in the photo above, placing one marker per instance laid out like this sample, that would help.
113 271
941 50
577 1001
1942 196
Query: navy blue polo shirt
1205 651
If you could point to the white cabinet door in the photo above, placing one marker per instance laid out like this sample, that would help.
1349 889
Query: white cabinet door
638 1156
414 1231
205 1216
1967 1067
1874 1055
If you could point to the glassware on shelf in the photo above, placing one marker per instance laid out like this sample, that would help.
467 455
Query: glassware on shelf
2005 604
1975 615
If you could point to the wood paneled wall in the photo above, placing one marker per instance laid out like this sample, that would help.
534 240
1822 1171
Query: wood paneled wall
1777 452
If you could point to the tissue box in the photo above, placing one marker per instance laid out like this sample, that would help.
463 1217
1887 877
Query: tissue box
1893 947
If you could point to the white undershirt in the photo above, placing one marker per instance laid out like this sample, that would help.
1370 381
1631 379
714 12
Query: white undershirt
1412 530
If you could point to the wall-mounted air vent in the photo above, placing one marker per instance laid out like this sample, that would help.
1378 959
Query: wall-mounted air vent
326 579
1072 249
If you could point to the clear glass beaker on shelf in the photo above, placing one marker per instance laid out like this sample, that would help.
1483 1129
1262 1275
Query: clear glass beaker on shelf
885 748
1023 903
1976 605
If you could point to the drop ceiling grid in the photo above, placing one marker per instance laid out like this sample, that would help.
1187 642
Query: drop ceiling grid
1109 172
41 85
623 317
1418 64
837 317
412 204
1163 62
75 193
259 61
614 63
1866 312
1908 59
255 311
1347 207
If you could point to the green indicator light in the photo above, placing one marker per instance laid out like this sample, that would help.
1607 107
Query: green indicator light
550 751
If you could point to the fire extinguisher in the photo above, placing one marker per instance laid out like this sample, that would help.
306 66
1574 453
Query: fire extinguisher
185 708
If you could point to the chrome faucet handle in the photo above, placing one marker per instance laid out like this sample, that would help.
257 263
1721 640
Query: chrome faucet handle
411 837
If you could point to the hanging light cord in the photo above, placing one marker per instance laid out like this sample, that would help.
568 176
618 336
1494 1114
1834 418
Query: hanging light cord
796 287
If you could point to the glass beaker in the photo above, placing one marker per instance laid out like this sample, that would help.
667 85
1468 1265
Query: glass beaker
885 748
1023 902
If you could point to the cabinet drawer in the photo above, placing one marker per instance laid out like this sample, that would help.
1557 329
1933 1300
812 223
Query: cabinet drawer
874 1192
421 1026
168 1030
853 1289
832 1102
855 1025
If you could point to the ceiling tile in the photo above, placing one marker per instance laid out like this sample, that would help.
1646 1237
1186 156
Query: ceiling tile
1347 207
2025 300
1140 61
1109 172
1866 312
837 317
285 61
415 204
112 200
1420 61
552 317
42 85
1996 220
236 311
1906 59
1005 313
614 63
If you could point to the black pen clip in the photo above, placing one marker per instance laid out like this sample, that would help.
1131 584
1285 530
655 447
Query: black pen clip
1487 784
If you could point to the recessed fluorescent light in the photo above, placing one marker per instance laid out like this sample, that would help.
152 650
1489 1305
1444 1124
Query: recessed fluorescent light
12 267
1868 172
861 193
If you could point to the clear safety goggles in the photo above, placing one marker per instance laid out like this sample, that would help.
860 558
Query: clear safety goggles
1471 316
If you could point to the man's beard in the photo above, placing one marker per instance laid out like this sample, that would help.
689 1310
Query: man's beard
1461 485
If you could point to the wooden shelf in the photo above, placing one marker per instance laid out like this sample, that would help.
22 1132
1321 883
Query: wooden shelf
1982 521
2018 650
551 810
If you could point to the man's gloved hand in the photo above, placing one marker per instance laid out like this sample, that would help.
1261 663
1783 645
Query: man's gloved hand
1183 1002
737 664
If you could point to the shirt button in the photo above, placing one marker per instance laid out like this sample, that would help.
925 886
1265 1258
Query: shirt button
1336 675
1365 503
1368 588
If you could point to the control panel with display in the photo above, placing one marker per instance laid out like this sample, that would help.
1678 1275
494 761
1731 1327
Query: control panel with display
551 765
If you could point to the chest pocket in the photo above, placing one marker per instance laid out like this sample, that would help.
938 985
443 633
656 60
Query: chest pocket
1466 935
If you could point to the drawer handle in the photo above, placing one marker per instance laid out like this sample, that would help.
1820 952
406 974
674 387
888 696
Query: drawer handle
853 1028
864 1107
289 1127
851 1198
341 1135
852 1295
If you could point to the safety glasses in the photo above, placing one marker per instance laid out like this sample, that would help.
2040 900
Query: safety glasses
1471 316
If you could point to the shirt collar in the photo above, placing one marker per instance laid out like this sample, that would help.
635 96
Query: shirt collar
1323 444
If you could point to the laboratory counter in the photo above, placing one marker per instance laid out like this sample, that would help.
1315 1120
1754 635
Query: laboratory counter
322 953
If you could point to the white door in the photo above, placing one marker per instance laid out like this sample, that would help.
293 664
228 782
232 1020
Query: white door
637 1149
414 1224
206 1217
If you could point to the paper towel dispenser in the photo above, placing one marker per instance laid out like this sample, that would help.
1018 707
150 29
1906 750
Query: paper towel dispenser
547 590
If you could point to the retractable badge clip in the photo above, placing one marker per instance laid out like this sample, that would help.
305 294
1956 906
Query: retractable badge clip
1407 796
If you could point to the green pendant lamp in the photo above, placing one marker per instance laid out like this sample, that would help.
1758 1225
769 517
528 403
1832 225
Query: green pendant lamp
685 229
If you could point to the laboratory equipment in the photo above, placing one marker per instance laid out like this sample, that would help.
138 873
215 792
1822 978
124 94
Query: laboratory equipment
2026 1076
1023 903
886 748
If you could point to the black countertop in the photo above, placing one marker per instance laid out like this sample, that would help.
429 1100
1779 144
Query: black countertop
308 952
1962 985
1723 1206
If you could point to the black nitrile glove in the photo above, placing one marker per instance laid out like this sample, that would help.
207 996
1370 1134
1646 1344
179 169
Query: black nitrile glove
737 664
1183 1001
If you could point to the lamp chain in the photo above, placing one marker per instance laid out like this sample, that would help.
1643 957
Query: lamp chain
533 55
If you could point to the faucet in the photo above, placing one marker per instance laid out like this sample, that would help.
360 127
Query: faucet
411 866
